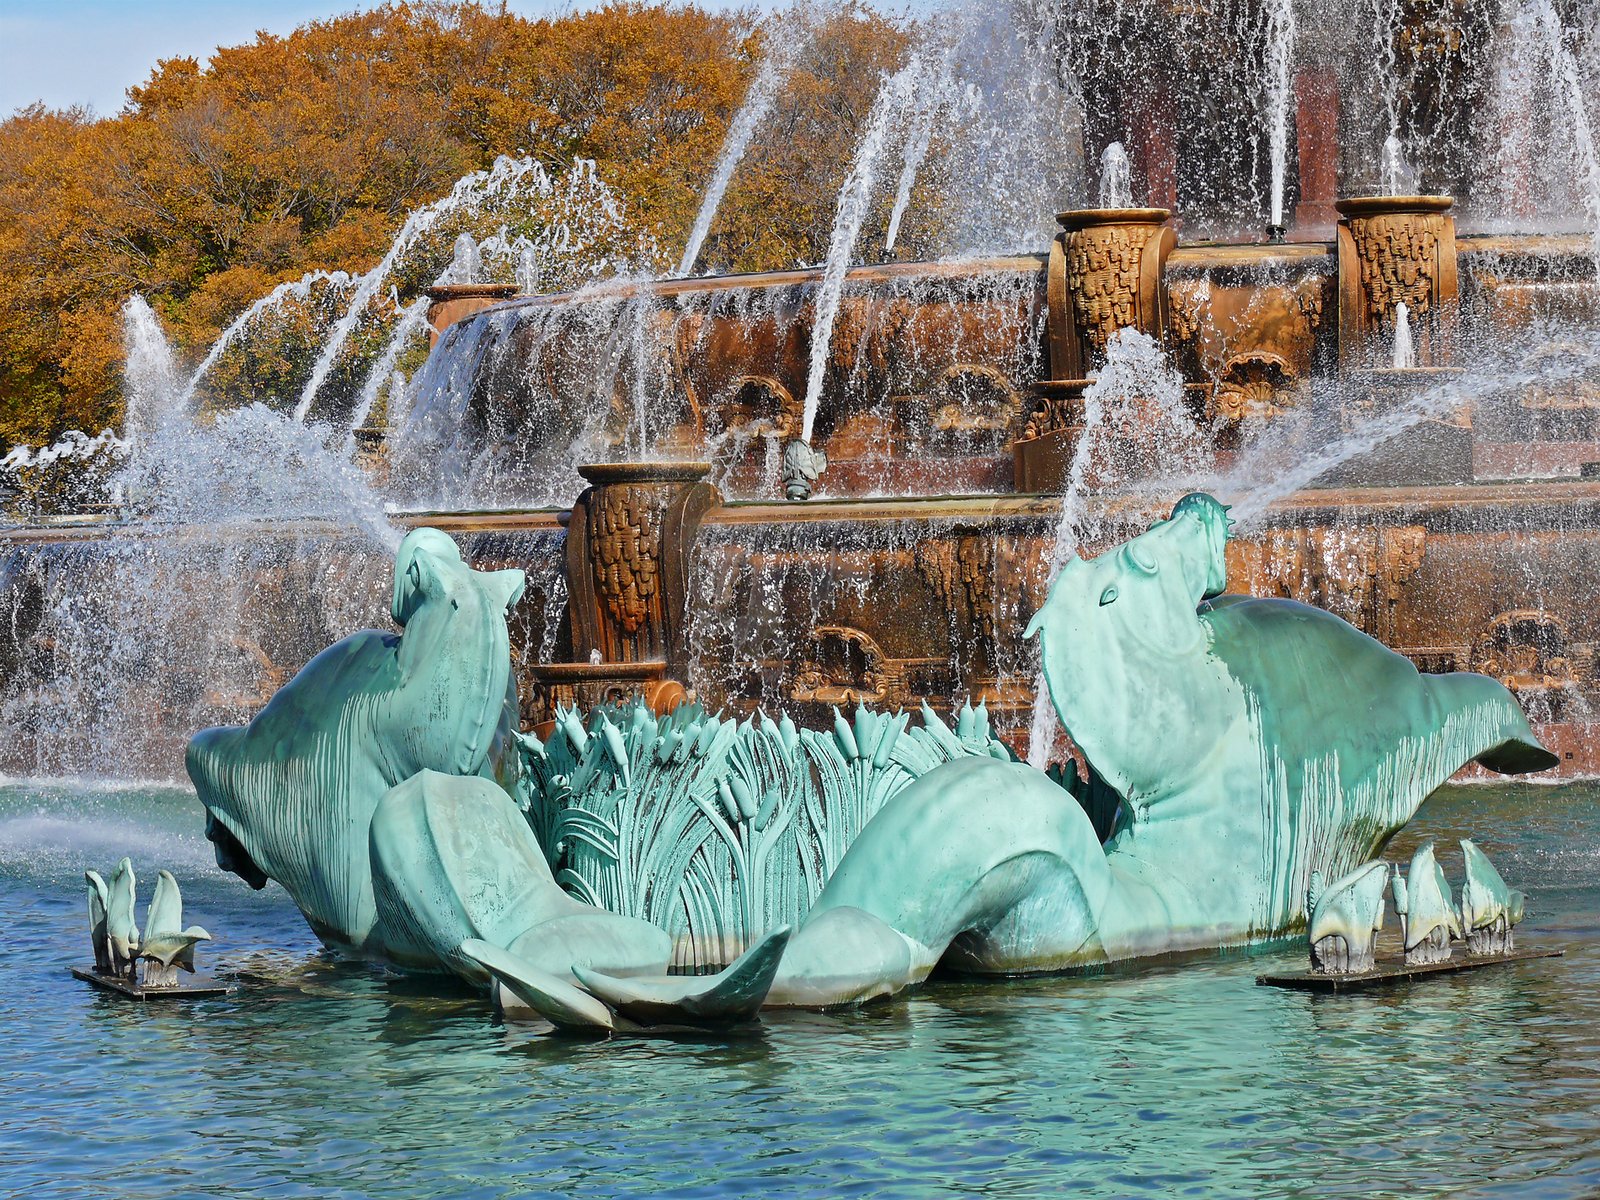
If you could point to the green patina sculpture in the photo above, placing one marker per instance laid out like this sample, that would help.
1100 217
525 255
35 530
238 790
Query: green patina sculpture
373 787
1489 909
166 945
291 795
1235 746
717 830
1428 918
1345 919
122 933
1249 742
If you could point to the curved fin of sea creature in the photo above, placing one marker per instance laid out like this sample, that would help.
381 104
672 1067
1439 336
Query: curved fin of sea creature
729 997
174 949
97 920
554 999
165 914
121 931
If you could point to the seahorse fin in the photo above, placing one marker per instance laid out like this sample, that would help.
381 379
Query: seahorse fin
554 999
727 998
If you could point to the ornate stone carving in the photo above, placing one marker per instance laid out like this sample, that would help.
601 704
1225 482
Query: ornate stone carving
1103 278
1105 274
848 667
973 398
960 570
1395 250
626 568
627 542
1250 386
1361 573
1398 256
1055 411
1526 648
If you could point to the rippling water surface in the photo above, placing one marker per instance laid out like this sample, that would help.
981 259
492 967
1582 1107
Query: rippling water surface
328 1078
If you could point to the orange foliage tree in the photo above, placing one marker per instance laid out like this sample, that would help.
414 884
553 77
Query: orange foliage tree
306 152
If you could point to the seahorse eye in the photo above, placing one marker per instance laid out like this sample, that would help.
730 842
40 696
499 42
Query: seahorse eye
1107 596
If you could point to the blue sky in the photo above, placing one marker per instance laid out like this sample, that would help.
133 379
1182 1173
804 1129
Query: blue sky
90 52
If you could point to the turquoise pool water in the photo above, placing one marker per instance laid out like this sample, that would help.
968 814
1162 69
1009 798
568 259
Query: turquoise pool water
326 1078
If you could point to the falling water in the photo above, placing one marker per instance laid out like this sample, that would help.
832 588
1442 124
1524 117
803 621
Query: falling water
758 102
939 94
848 217
1281 34
294 289
1116 185
1404 355
1282 463
413 320
1568 80
468 193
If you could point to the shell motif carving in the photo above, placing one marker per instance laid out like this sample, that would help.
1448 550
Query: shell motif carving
626 540
1399 257
1052 414
1103 278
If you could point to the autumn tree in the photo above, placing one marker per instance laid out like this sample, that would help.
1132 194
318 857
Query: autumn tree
306 152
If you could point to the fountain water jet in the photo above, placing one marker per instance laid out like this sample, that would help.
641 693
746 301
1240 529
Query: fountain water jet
1116 185
150 371
1282 32
758 104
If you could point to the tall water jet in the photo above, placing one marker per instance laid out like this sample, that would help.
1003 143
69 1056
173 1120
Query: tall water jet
758 103
1116 183
1281 35
292 290
1405 355
931 100
849 214
1569 86
413 320
150 370
1395 178
470 191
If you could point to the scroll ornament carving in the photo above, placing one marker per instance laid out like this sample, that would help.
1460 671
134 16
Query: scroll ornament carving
1250 386
626 539
847 666
1053 414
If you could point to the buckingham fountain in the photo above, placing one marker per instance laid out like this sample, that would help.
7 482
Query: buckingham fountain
774 641
893 710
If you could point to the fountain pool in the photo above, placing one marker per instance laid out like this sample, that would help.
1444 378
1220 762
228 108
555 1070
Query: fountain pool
338 1078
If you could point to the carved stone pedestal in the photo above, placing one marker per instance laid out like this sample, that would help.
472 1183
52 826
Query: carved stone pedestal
628 544
1105 274
1396 250
585 686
